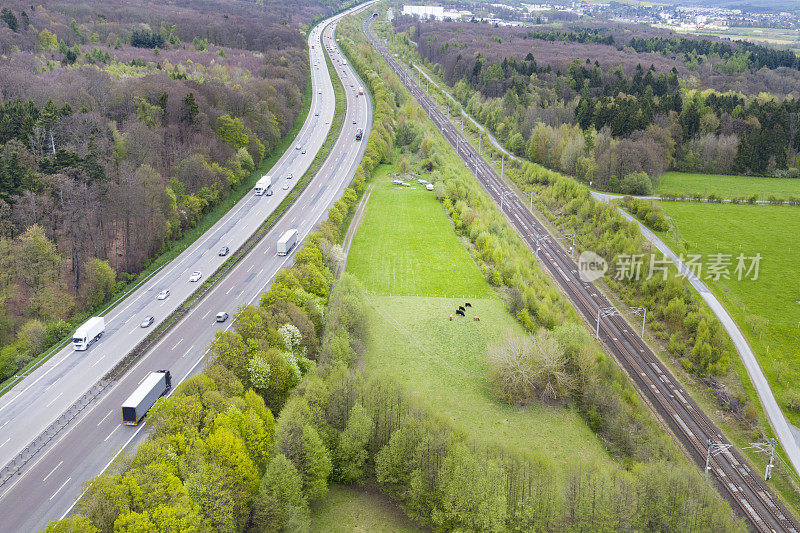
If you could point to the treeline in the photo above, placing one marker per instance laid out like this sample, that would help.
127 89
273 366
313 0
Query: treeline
218 460
583 35
691 332
110 152
753 55
603 125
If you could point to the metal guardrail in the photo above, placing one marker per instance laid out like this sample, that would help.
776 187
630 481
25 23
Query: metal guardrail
66 340
15 466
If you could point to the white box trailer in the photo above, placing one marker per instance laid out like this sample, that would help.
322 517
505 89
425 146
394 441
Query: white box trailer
88 332
287 242
263 185
151 389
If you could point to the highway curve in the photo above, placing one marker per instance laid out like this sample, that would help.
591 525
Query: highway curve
48 485
745 488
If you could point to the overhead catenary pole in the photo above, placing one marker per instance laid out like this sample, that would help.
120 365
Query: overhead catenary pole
603 312
642 312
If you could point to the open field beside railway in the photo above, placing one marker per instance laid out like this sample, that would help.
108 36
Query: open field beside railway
726 186
767 308
406 245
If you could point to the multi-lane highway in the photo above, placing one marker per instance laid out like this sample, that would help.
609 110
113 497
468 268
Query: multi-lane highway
743 486
48 485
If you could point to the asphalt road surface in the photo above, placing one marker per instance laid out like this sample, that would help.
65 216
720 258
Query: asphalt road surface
47 488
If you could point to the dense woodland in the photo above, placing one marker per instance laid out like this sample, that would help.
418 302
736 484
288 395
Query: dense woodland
605 105
121 125
219 459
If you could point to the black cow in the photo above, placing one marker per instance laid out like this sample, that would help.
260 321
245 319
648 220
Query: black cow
468 304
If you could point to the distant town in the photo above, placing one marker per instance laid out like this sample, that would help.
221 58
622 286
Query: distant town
676 17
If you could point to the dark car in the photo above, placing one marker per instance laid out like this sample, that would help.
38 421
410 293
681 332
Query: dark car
223 251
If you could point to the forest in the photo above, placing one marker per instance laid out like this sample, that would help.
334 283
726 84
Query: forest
606 106
251 443
121 126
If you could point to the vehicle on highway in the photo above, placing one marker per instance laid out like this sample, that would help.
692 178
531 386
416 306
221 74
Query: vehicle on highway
297 147
163 295
289 176
303 151
147 322
354 121
285 186
152 388
316 113
196 275
360 90
359 134
287 242
222 316
88 332
224 251
262 185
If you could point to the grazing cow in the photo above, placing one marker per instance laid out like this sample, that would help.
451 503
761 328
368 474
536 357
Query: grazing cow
459 312
476 318
451 318
461 308
468 304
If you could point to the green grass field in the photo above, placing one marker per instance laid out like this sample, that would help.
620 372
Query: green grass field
727 186
443 363
766 309
407 246
359 510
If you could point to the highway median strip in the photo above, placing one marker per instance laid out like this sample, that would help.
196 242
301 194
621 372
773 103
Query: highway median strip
15 465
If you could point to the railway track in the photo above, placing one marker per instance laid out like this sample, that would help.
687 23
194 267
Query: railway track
744 488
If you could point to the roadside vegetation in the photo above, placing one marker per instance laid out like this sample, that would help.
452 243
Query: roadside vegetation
609 105
706 359
120 140
770 323
231 465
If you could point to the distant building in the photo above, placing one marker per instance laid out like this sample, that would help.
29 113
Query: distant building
425 12
435 12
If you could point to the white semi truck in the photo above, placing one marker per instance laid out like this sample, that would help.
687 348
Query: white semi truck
287 242
90 331
263 186
151 389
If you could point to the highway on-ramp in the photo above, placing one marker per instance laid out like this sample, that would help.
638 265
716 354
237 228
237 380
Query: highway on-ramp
48 487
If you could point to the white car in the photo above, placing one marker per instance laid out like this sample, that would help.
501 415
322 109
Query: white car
196 275
289 176
297 147
163 295
285 186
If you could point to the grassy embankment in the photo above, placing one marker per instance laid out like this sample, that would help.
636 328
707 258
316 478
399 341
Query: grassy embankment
726 186
406 243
